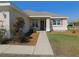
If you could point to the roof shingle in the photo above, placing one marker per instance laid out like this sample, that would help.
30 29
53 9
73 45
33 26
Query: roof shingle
35 13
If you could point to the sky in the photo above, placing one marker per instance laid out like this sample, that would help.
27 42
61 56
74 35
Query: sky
66 8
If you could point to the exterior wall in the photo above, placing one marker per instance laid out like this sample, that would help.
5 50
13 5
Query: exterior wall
7 24
6 20
14 14
1 20
62 27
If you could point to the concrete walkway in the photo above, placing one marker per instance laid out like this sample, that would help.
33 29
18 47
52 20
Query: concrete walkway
43 46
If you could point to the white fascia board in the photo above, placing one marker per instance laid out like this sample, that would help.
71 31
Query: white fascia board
5 4
39 16
59 17
49 16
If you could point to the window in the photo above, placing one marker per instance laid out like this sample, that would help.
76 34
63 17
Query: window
56 22
34 23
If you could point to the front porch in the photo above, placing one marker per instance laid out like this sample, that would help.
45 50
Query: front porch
41 24
48 24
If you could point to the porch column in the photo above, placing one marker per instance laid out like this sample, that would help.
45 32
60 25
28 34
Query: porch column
47 24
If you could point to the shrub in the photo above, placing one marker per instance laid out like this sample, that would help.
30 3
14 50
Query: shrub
2 34
17 29
73 31
34 29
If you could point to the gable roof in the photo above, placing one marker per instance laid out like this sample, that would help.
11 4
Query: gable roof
35 13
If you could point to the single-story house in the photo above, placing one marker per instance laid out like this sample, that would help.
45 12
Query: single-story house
76 24
47 21
41 20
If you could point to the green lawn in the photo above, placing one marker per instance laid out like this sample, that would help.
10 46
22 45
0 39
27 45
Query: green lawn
64 44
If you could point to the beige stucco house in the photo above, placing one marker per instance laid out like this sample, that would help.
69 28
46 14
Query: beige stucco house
41 20
47 21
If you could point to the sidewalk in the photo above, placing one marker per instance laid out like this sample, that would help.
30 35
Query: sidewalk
19 49
43 46
16 49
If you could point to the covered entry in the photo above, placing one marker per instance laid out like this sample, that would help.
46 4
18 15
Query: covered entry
38 23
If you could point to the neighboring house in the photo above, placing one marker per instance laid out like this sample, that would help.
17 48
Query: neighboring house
8 14
76 24
41 20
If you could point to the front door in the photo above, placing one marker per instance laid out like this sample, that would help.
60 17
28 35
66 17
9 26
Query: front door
42 25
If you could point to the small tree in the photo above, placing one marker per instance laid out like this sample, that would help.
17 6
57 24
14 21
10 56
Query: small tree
17 29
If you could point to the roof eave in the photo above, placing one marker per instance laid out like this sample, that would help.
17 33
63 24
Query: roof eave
5 4
59 17
49 16
39 16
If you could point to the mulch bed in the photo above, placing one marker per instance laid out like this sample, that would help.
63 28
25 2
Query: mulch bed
31 41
